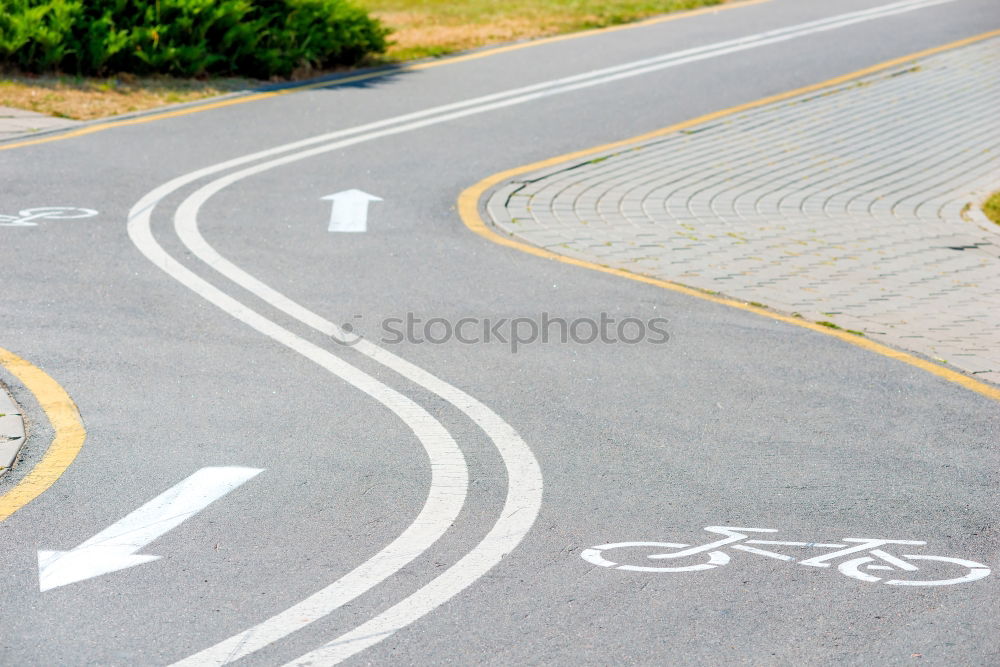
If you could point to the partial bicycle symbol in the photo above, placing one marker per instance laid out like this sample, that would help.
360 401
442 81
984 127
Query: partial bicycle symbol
27 217
868 557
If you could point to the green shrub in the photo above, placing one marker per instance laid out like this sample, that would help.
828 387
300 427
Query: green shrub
991 207
257 38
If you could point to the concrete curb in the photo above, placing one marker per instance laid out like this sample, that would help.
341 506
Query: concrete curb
11 430
13 137
319 81
20 123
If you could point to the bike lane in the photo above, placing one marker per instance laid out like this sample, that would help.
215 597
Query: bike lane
734 421
737 420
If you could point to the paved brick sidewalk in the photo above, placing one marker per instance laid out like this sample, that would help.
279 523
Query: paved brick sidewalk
849 205
18 122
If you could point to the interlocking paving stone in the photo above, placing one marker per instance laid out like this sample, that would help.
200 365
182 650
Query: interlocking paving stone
849 204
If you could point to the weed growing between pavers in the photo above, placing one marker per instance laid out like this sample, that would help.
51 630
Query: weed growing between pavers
992 207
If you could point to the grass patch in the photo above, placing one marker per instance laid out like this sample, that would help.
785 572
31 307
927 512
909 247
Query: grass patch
831 325
420 28
992 207
423 28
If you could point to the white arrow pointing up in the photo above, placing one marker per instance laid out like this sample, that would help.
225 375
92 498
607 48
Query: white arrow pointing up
114 548
350 210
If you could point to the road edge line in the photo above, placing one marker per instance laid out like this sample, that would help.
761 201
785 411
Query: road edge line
470 213
67 442
230 100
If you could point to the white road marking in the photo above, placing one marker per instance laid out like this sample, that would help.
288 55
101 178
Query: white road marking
861 544
811 545
851 568
114 548
893 561
27 217
449 473
524 488
350 210
762 552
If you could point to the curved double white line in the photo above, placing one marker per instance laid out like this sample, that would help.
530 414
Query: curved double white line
524 478
449 473
449 480
524 485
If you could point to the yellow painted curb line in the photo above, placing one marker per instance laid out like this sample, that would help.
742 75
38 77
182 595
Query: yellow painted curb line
100 127
468 209
65 420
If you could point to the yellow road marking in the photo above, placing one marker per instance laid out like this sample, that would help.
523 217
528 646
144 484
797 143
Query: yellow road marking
468 209
100 127
65 420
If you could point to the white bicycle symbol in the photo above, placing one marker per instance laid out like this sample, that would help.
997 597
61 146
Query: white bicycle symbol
874 558
26 217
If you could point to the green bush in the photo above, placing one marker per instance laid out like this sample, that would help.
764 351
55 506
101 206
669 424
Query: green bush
257 38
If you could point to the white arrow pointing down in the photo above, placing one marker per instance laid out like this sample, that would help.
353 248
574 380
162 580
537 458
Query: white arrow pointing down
114 548
350 210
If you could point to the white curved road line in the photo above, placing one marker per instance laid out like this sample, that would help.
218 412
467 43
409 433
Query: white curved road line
525 482
524 487
449 473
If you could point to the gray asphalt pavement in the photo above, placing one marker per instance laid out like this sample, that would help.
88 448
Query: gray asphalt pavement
190 320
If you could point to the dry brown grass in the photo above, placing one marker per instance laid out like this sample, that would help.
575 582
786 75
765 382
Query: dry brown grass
86 99
417 35
435 27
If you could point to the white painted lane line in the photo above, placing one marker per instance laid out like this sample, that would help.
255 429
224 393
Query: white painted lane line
449 473
524 492
524 485
516 454
350 210
115 547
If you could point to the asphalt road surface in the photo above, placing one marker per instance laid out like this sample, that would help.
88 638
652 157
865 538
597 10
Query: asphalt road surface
275 470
